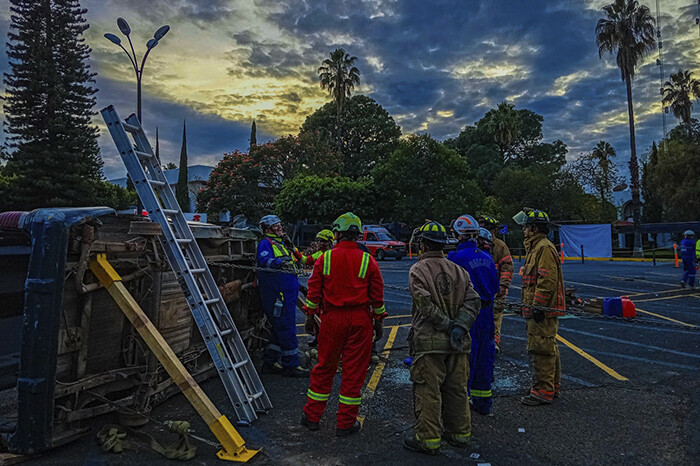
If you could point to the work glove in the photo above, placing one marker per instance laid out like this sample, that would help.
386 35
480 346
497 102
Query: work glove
311 325
457 338
378 330
538 315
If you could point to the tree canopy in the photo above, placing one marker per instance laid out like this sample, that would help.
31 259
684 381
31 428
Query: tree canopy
369 136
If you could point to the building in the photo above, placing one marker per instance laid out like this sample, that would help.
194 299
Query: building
197 175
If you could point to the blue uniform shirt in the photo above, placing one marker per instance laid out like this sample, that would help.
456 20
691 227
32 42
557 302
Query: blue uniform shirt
481 268
688 250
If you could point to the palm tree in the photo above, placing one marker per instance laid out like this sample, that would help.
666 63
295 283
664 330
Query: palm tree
339 75
505 124
604 153
677 94
628 30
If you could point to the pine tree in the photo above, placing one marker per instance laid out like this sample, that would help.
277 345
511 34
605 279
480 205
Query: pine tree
182 193
253 138
53 150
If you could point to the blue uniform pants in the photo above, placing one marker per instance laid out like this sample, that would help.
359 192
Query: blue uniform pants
283 345
482 358
689 272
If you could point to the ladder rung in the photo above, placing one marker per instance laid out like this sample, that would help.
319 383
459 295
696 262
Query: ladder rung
130 128
240 364
211 301
198 270
255 396
225 332
183 240
143 155
156 183
171 211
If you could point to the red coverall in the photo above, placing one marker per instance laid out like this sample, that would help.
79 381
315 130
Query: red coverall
348 284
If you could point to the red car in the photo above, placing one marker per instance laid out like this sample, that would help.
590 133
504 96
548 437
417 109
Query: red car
381 243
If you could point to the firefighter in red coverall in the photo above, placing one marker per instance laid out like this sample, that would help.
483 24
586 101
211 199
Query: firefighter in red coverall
347 284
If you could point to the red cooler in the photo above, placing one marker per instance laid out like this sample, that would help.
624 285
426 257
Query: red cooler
628 307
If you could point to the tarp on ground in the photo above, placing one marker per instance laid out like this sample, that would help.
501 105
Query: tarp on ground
596 240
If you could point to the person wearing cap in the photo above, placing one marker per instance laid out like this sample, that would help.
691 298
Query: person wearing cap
347 285
279 288
542 296
504 263
445 306
688 251
482 272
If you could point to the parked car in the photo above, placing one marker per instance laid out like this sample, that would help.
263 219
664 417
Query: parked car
381 243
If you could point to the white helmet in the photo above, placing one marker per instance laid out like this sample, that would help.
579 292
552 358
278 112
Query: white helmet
466 225
689 233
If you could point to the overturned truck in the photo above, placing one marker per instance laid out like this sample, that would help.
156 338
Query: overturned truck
67 352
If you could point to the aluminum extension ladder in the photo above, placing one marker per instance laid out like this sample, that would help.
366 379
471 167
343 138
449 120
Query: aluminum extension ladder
211 315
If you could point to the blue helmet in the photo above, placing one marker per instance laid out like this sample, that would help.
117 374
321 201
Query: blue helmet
485 234
268 221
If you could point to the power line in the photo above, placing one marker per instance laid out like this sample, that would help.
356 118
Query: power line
660 64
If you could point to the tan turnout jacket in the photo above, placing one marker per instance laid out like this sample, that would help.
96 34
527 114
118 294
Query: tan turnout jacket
442 293
543 282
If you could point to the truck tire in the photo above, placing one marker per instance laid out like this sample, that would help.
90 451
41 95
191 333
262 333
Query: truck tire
380 254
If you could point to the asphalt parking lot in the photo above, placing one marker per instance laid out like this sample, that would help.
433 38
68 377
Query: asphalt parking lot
631 390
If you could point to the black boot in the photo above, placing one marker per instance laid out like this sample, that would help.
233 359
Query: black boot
309 424
349 431
298 372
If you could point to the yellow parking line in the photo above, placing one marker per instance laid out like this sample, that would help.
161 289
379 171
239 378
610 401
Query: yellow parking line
379 368
603 287
664 297
666 318
611 372
388 317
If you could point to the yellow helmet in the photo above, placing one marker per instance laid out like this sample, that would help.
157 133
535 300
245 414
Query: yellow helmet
325 235
347 222
433 231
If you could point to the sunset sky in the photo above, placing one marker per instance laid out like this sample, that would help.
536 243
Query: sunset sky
436 66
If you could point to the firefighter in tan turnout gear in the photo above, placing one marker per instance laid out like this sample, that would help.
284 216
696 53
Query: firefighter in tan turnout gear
504 265
543 285
445 305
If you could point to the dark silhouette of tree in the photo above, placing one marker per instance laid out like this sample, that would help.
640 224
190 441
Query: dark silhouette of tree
627 30
679 93
253 137
339 75
53 152
182 192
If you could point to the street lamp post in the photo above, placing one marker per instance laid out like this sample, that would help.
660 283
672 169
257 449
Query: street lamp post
138 69
150 45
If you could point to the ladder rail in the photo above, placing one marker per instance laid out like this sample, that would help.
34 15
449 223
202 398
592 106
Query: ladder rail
203 296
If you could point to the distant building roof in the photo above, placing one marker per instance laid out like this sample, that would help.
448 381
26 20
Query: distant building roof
194 173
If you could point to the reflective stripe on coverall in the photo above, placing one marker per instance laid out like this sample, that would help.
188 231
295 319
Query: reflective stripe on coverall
283 345
689 263
543 285
483 275
347 284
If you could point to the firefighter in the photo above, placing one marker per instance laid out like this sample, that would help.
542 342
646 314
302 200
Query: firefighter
504 264
445 305
484 277
688 248
325 240
347 284
278 294
543 285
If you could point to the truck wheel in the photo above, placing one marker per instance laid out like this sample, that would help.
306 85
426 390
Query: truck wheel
380 254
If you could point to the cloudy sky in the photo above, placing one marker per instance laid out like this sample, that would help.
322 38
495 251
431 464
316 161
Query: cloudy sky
436 66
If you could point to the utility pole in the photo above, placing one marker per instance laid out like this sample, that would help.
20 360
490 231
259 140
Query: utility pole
660 64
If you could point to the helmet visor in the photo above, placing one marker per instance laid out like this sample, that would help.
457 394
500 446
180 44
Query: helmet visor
520 218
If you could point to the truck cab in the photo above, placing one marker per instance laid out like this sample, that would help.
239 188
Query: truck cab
381 243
